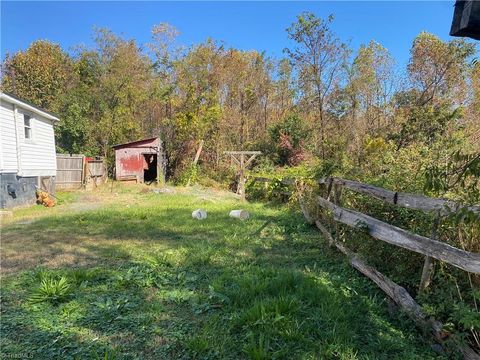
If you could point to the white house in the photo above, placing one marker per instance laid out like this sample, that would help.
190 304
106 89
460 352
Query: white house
27 151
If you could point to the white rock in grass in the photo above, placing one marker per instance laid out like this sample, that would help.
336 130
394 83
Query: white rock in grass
239 214
199 214
163 190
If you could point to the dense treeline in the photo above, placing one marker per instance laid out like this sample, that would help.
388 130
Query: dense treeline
322 109
321 101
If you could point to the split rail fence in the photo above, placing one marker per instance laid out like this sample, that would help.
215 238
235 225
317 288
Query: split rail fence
429 247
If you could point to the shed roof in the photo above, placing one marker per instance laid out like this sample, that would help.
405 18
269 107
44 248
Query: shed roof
133 142
29 106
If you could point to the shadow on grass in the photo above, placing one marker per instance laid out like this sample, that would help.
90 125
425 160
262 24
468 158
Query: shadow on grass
155 284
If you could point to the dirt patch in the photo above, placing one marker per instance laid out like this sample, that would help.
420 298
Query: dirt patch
52 238
21 252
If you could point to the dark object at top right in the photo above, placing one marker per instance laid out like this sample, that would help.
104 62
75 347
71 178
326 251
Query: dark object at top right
466 19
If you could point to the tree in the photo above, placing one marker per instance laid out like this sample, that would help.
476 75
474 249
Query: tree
41 74
289 137
372 83
319 59
437 68
74 133
284 90
434 104
120 89
366 98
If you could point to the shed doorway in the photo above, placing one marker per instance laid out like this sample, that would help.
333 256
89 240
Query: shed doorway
150 168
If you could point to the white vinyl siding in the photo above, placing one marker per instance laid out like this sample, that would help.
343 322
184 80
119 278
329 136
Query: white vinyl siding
8 141
37 154
30 157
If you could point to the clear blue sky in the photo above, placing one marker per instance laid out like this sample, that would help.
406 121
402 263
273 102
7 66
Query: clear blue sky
244 25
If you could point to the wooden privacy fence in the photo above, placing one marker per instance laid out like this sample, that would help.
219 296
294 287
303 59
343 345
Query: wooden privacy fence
429 247
69 171
95 172
77 171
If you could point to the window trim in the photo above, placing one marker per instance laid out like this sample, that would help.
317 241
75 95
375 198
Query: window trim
30 126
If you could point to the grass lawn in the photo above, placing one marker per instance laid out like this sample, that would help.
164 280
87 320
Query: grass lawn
142 280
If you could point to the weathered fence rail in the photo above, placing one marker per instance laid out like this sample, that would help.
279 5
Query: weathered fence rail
380 230
397 293
406 200
431 248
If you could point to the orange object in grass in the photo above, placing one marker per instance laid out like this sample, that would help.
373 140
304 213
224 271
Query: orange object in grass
44 199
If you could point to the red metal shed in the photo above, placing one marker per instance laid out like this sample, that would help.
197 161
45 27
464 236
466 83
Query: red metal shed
137 160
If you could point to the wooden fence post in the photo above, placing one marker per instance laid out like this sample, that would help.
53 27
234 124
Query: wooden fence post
161 162
329 188
84 173
337 196
242 165
428 265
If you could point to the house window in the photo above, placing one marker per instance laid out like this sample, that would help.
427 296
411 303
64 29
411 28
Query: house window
27 124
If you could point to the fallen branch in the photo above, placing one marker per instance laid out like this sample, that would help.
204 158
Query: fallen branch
259 230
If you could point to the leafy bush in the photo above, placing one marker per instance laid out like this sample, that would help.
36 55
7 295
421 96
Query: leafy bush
52 290
423 168
276 189
289 137
111 308
215 177
107 355
188 176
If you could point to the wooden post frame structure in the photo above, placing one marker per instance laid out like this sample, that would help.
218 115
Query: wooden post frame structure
243 159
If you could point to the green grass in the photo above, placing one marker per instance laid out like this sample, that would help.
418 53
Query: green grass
146 281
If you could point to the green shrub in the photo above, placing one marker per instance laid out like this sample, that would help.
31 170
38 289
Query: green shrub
188 176
107 355
52 290
222 175
294 130
257 349
198 345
